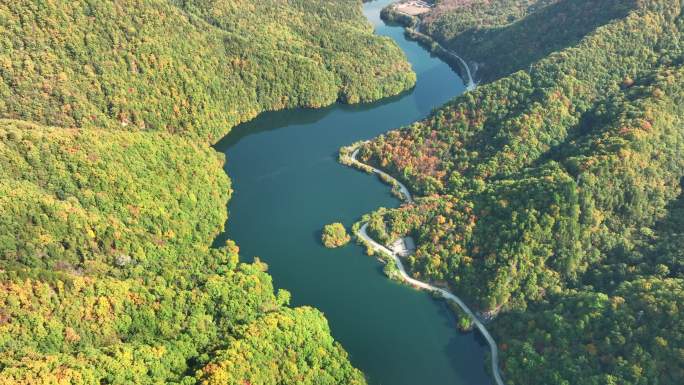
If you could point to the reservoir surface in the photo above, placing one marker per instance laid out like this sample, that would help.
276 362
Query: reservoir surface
288 184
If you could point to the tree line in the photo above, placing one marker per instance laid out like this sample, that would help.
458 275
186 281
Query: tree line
551 197
111 196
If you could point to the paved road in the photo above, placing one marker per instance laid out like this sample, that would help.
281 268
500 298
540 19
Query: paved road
403 189
426 286
416 29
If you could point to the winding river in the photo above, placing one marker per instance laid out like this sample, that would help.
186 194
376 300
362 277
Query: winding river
288 184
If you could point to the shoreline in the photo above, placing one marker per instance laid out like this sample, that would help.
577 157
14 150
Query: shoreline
348 157
411 26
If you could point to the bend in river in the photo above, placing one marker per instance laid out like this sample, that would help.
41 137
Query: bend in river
363 235
288 184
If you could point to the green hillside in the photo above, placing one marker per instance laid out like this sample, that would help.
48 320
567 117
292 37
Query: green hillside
499 37
192 67
107 275
111 196
551 197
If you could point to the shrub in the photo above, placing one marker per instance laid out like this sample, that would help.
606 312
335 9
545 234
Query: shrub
335 235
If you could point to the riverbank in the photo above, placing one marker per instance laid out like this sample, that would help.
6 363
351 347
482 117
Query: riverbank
288 184
395 269
411 24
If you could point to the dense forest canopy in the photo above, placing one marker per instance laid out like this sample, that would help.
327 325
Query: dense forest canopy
191 67
552 196
453 17
111 196
499 37
107 277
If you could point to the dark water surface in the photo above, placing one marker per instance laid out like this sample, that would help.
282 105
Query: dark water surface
288 184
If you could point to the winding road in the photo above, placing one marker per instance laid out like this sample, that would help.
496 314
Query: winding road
416 29
363 234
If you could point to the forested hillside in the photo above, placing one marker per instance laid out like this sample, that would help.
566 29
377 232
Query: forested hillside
499 37
107 275
192 67
111 196
552 197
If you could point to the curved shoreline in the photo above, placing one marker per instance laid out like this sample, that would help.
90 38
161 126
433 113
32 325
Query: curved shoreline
416 30
363 235
413 31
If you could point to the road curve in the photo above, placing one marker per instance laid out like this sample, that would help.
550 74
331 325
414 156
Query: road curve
403 189
471 85
363 234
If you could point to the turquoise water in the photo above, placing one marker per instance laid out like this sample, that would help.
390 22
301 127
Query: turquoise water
288 184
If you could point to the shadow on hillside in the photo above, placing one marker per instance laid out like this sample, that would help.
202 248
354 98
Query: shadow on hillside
504 50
